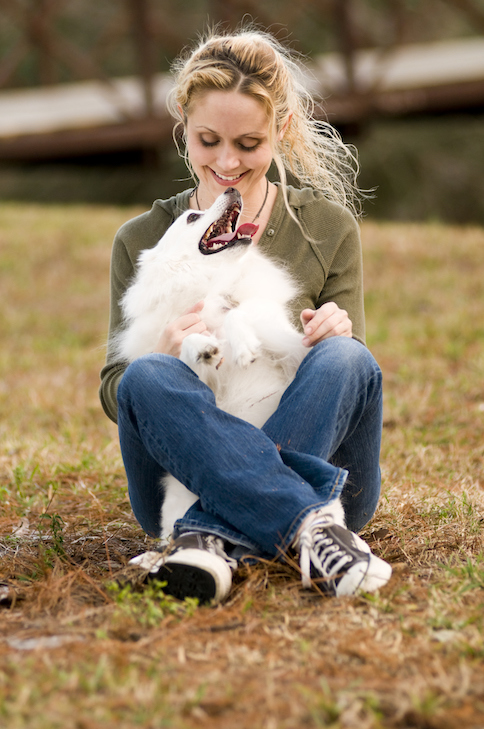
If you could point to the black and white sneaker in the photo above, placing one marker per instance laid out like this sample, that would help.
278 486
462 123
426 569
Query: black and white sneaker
336 560
195 565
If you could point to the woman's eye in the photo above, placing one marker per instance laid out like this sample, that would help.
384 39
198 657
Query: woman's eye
244 148
193 217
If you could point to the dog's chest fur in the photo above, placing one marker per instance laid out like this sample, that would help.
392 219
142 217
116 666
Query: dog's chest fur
168 283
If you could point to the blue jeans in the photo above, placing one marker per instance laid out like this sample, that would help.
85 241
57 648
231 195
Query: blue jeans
254 486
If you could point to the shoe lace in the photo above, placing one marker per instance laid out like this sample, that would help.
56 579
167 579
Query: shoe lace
215 544
318 548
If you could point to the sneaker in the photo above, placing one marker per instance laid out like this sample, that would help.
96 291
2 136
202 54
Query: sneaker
195 565
336 560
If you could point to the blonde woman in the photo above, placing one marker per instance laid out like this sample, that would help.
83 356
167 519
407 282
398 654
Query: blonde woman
242 106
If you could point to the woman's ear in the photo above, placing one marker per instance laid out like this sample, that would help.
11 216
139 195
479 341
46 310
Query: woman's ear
284 127
182 113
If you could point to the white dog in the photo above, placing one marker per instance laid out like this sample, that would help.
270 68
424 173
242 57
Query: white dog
253 350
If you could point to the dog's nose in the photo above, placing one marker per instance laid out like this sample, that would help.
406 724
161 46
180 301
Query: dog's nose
230 190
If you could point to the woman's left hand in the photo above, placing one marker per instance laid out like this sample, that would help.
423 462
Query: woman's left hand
327 321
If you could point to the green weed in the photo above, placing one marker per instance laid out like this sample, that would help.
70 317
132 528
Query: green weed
55 523
468 575
149 605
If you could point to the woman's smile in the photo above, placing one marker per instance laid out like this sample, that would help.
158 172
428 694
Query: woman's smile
222 179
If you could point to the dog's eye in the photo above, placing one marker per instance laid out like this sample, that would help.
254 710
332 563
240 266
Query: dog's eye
193 217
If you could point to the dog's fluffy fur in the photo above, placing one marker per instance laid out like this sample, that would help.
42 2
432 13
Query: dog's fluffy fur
253 350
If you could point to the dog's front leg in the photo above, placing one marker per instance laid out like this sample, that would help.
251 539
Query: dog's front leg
240 334
263 325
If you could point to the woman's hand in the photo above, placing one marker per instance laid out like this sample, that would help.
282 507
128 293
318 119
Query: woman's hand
189 322
327 321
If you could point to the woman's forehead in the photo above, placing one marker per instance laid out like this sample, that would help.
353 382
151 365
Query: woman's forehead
217 99
216 110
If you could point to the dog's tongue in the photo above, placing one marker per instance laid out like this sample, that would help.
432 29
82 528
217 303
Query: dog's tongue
246 230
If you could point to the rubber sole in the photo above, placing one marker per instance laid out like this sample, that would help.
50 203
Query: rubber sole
183 580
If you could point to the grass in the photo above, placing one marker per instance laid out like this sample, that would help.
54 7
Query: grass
79 653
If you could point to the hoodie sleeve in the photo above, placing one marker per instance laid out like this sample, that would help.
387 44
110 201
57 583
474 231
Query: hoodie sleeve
134 236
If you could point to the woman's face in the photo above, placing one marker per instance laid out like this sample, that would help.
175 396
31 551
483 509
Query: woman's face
228 143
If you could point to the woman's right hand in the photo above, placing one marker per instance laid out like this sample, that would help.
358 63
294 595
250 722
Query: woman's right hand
189 322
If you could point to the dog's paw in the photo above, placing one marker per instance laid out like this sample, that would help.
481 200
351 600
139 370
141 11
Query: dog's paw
210 354
245 346
197 349
244 353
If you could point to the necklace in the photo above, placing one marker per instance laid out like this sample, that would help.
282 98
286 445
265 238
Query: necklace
261 207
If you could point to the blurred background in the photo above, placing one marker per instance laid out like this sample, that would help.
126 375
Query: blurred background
83 86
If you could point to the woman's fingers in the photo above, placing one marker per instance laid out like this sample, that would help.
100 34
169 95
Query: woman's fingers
327 321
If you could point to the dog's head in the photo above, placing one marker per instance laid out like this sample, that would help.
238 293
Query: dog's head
217 227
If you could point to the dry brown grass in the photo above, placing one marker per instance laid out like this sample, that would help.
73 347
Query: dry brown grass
75 654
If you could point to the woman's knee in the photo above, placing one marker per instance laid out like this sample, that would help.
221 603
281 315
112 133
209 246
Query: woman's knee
160 381
144 373
344 354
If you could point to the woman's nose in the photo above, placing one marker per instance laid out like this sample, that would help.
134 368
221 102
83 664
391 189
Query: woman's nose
228 159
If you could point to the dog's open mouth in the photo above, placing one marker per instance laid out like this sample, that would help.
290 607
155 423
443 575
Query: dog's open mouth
223 233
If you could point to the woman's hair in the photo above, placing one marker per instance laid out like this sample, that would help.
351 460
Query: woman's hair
253 62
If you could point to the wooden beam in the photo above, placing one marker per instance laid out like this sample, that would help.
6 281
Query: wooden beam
134 135
143 42
40 27
343 14
423 101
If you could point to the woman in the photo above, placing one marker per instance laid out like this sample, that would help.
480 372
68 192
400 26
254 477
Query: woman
277 490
